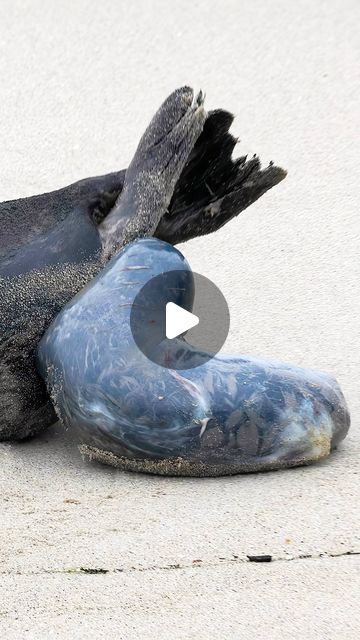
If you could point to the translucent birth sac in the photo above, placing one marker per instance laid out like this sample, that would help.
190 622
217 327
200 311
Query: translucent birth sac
229 414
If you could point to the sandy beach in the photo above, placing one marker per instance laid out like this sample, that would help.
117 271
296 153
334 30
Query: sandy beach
87 551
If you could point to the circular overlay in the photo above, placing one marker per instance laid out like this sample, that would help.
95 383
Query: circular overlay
152 318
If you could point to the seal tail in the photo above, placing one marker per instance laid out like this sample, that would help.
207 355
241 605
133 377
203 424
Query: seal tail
213 188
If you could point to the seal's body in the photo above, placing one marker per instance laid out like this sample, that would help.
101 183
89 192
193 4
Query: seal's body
231 414
181 183
44 261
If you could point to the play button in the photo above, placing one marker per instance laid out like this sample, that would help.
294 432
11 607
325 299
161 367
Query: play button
179 319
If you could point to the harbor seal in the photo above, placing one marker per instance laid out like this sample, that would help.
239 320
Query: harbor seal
227 414
52 245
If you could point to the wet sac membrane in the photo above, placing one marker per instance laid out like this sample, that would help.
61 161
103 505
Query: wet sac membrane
228 414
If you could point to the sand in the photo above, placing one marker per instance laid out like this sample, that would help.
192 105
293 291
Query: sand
91 552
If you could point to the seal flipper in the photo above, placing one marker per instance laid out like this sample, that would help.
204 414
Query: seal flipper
154 171
214 188
211 190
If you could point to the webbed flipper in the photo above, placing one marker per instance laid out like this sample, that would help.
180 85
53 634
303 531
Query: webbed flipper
213 188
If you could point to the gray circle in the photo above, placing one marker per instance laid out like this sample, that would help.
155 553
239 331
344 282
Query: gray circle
194 293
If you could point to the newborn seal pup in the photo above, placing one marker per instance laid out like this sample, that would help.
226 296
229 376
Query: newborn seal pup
52 244
228 415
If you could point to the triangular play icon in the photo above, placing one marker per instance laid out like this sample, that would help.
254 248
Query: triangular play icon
178 320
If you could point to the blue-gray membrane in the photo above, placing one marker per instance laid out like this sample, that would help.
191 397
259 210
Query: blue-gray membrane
148 318
230 414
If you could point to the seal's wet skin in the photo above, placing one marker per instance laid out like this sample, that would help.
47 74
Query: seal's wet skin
226 415
181 183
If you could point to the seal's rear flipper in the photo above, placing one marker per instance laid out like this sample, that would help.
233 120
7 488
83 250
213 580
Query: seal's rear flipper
151 178
213 188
